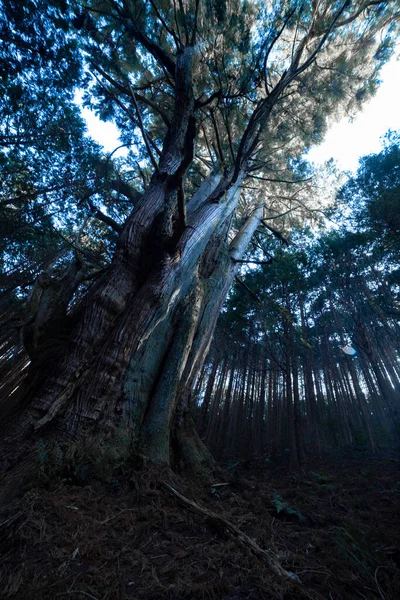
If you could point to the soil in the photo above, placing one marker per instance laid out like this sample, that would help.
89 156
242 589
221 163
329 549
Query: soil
334 524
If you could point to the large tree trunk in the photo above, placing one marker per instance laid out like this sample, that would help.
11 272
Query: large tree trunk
125 362
137 343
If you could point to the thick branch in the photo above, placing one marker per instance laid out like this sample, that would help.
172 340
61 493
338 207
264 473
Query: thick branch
104 218
276 233
242 239
120 186
280 180
200 103
360 10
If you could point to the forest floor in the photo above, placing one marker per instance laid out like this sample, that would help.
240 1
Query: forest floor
334 524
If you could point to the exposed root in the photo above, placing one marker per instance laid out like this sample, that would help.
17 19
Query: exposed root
223 524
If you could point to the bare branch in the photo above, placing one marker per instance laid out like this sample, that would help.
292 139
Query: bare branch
280 180
272 44
164 24
143 130
122 187
254 262
200 104
250 291
359 11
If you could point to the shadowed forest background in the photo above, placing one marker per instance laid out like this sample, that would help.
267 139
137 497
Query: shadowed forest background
277 382
199 360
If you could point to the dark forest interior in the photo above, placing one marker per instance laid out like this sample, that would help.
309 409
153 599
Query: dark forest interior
199 329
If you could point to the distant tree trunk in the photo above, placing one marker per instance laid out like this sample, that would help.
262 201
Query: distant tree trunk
335 396
214 410
297 411
249 411
324 407
364 338
236 431
223 426
259 429
274 439
381 415
292 387
311 403
205 405
229 447
362 404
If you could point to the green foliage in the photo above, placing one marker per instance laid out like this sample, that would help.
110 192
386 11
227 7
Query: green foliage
322 478
374 194
284 508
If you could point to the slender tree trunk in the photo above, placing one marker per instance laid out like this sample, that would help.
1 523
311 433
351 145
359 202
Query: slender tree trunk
259 430
205 406
297 411
214 412
223 425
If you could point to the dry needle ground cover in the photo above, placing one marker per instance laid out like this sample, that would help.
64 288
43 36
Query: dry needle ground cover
335 525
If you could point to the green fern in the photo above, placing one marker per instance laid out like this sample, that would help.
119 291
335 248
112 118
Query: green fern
283 507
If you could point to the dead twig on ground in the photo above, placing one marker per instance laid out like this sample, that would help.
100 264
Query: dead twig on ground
226 525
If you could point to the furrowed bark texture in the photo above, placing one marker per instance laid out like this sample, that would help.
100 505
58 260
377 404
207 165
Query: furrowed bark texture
136 350
135 345
130 353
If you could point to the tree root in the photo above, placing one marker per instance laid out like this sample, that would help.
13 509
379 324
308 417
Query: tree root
223 524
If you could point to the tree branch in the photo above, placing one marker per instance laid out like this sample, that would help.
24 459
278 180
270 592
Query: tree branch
170 31
272 44
254 262
143 130
121 186
199 104
246 287
155 50
276 233
280 180
126 92
295 71
104 218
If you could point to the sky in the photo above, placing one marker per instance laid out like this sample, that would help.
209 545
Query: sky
345 142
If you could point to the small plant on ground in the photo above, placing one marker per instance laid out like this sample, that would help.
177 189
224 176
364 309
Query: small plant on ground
284 508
